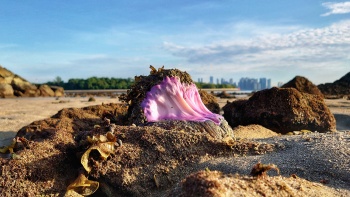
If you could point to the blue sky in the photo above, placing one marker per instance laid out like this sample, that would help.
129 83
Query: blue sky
276 39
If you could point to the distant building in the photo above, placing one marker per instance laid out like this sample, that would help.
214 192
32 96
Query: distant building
248 84
269 83
222 81
262 83
211 80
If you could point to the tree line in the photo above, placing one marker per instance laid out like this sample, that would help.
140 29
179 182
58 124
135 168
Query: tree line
98 83
93 83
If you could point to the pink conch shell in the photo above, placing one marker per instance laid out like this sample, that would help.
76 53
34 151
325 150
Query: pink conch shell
172 100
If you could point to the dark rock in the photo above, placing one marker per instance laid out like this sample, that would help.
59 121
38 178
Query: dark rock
282 110
224 94
303 85
339 87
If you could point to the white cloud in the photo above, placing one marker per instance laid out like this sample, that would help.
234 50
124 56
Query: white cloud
336 8
306 50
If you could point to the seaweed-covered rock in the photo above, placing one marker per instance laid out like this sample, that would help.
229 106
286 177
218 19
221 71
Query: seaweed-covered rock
338 88
170 95
282 110
303 85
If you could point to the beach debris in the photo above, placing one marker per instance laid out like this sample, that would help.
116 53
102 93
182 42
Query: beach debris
260 170
91 99
103 148
156 181
82 186
173 100
120 143
107 121
324 181
102 144
17 143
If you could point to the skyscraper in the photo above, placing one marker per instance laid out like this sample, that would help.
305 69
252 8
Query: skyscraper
269 83
211 80
262 83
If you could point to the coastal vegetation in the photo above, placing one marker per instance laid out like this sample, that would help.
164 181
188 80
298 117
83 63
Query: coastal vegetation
100 83
92 83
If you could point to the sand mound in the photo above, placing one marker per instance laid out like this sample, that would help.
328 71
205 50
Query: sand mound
253 131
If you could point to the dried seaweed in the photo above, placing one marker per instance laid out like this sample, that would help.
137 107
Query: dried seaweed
260 170
82 186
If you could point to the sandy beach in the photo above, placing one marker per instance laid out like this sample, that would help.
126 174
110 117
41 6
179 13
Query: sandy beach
315 157
16 113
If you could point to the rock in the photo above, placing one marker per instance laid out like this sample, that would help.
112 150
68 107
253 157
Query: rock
5 73
59 91
338 88
303 85
31 93
23 88
22 85
282 110
46 91
6 80
6 91
224 94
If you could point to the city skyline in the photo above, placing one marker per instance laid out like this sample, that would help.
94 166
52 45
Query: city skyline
244 83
